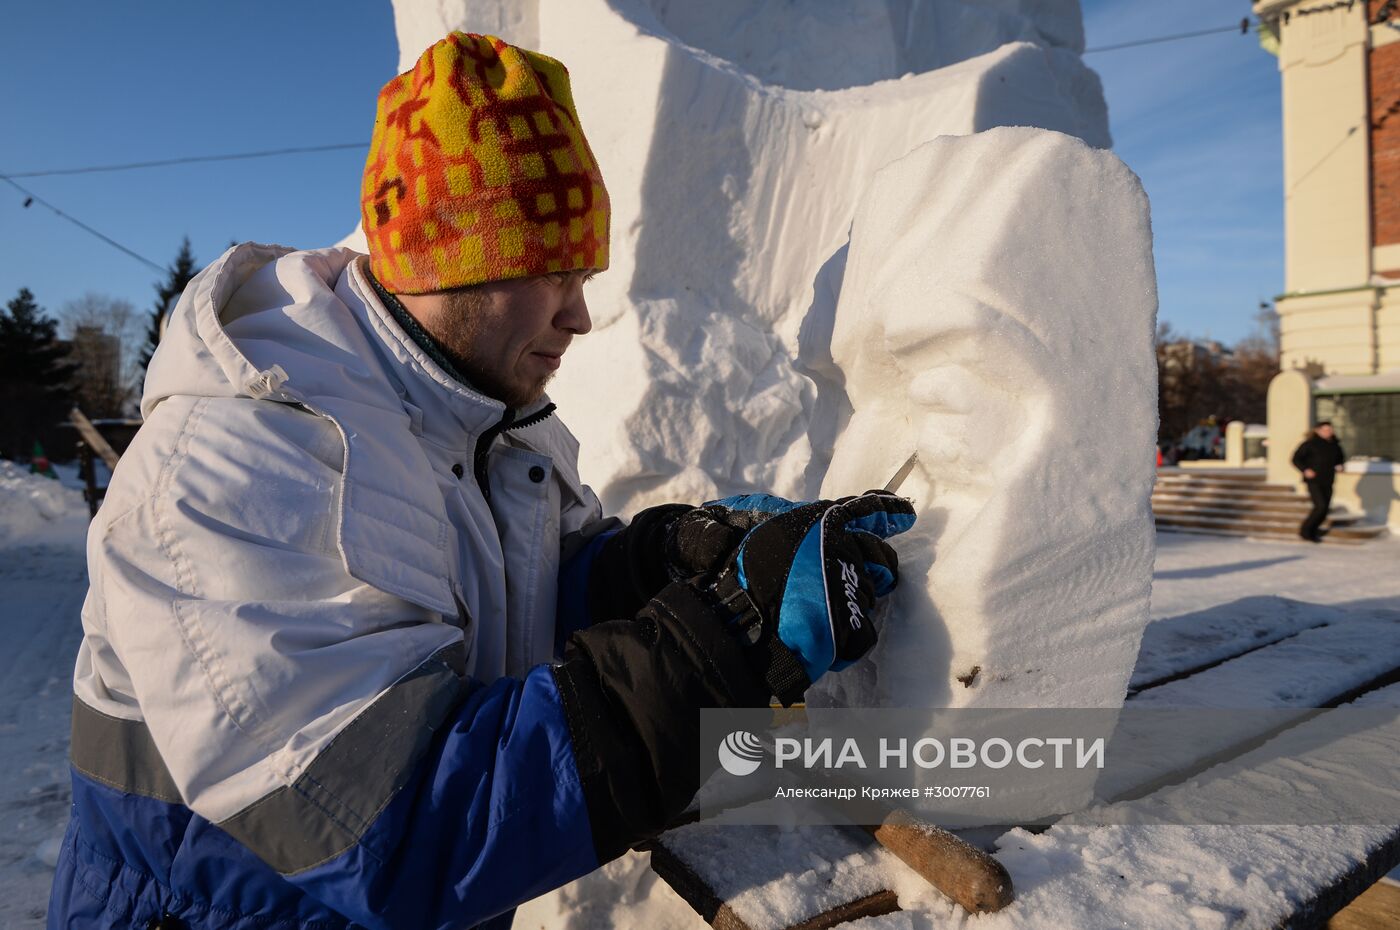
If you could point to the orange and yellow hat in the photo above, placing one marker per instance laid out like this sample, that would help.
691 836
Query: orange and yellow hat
479 171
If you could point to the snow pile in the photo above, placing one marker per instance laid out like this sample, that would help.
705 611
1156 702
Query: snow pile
34 508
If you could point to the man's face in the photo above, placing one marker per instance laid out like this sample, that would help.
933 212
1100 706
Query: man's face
507 337
1326 431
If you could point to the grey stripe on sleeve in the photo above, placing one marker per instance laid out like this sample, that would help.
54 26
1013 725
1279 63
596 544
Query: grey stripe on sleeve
120 754
325 811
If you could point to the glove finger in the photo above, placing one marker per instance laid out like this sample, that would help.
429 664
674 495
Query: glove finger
878 512
700 542
881 562
760 503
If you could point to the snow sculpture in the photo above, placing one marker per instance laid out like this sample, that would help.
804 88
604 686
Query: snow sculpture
997 316
735 138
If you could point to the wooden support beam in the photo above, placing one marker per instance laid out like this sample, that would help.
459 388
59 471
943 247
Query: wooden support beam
93 438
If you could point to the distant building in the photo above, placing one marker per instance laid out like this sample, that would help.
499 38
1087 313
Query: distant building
1339 314
1341 180
1186 354
99 386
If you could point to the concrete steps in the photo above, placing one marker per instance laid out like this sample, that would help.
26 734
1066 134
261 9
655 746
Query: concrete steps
1242 504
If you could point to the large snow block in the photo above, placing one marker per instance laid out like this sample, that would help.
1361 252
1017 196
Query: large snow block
996 315
735 138
729 193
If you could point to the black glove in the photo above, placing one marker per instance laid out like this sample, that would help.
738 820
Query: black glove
801 585
671 542
631 568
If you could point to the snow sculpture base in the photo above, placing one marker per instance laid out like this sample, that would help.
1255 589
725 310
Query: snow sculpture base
997 315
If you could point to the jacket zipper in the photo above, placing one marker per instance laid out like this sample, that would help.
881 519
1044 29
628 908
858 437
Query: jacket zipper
483 442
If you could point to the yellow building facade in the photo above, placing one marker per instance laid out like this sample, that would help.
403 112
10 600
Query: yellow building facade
1339 316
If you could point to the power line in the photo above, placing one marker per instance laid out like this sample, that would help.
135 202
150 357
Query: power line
31 197
128 166
1241 27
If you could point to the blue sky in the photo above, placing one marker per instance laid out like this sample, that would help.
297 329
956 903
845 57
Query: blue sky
1199 120
90 82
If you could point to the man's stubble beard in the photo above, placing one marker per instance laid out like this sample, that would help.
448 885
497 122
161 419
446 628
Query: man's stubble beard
461 341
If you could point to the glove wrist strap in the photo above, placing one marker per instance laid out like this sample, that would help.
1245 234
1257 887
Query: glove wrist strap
779 665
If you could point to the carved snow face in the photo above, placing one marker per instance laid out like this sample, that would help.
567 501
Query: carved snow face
1005 335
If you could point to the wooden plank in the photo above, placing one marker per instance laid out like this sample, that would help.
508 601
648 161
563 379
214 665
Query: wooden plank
696 891
93 438
1378 908
1178 647
1309 872
1364 652
1323 909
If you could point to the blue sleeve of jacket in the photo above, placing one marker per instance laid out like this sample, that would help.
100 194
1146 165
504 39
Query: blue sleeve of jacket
493 815
526 785
571 611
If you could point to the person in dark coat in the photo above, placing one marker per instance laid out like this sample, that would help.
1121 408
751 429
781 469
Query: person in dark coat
1319 458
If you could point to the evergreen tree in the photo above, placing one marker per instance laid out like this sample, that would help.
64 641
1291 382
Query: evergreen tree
29 348
177 276
35 377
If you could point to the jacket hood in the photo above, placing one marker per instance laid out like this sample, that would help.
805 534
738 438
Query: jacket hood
196 355
267 322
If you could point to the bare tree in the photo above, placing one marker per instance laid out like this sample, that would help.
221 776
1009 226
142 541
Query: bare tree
105 333
1200 379
1256 363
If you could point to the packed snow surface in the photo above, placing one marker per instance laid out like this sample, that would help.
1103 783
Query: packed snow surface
42 584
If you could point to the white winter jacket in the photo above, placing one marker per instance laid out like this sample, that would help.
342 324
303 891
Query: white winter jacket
358 518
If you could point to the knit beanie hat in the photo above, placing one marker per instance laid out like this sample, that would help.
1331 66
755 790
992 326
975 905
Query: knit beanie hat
479 171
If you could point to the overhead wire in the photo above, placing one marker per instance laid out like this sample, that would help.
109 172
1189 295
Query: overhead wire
190 159
1241 27
1383 15
32 198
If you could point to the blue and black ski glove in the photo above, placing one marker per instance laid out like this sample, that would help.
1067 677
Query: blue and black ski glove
670 542
801 584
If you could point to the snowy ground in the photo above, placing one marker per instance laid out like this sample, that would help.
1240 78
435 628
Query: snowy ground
42 585
43 578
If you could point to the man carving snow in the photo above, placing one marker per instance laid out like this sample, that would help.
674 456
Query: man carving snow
360 649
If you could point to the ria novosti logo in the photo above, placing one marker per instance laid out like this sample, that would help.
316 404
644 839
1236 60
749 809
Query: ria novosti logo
741 753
